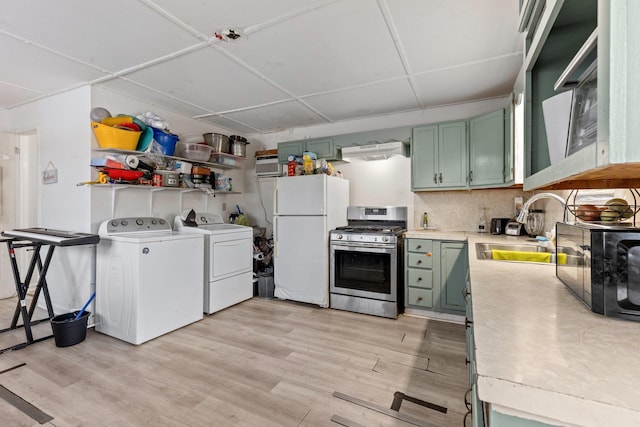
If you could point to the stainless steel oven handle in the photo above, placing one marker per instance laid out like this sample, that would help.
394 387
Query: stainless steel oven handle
365 247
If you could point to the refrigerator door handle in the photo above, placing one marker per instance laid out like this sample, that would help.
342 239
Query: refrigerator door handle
275 236
275 199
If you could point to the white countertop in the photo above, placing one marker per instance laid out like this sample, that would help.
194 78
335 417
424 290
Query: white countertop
541 353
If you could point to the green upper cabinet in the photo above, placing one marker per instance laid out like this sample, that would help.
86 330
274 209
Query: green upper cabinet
424 158
439 156
487 149
289 148
325 148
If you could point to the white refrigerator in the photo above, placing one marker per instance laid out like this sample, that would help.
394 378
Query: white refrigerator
306 209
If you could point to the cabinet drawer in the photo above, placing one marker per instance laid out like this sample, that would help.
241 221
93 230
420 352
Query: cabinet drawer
419 245
420 260
420 278
420 297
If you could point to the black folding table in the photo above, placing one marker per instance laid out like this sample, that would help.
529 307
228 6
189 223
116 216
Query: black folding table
36 238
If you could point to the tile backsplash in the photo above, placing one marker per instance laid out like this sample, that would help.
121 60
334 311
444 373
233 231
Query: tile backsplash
460 210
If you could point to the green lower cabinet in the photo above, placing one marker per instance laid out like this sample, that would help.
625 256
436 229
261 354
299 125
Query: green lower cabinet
498 419
435 275
453 271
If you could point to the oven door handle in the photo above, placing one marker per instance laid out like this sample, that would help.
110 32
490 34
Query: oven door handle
364 247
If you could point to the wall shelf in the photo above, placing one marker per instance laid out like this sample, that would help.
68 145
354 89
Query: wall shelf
223 160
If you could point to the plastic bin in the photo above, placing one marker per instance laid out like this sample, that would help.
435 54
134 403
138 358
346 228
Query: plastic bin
265 286
67 331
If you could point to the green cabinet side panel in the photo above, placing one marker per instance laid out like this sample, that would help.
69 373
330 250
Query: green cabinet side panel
486 149
498 419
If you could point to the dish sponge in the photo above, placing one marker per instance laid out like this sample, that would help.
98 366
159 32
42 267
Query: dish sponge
521 256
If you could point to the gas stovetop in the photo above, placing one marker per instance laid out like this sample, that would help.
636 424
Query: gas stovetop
368 234
371 229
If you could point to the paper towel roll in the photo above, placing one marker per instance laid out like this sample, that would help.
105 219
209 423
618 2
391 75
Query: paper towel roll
131 161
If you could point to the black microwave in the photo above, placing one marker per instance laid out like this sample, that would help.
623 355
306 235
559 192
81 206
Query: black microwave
602 267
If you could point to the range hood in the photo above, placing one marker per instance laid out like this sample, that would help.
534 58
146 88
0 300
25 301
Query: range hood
374 151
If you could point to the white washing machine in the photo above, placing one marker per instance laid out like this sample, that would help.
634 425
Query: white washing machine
148 279
228 259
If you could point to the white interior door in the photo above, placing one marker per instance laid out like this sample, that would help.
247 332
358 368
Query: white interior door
8 179
19 201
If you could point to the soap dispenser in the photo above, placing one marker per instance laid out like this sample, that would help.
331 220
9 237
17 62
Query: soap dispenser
482 222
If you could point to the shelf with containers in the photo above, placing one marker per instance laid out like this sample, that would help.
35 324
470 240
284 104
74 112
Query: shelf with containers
570 39
217 160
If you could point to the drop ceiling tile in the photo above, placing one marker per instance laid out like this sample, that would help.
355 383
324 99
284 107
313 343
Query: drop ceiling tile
343 44
210 80
278 117
113 35
436 34
208 17
371 100
162 100
234 128
40 70
12 95
473 82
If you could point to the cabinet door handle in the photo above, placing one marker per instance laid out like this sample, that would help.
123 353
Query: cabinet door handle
419 246
428 254
467 397
419 261
440 177
435 178
419 279
419 298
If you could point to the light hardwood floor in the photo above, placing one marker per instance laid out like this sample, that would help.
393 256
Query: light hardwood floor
259 363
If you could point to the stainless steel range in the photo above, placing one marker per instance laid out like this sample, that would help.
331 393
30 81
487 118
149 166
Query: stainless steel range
366 261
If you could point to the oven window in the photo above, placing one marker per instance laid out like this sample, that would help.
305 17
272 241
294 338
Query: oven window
364 271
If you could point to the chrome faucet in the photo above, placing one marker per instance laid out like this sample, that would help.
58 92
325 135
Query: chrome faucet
524 212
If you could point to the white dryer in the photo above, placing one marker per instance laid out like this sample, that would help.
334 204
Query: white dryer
228 259
148 279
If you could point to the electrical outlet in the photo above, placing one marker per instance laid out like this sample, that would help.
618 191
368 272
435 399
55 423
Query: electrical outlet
224 206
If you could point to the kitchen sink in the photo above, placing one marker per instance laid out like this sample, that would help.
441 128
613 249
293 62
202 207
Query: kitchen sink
522 252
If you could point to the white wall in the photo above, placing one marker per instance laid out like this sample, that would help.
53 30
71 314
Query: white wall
63 133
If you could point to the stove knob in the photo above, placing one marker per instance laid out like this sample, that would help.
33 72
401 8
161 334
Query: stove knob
385 239
154 221
114 223
139 221
162 221
339 236
124 223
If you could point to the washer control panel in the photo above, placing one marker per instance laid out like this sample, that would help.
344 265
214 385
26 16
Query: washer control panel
134 225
